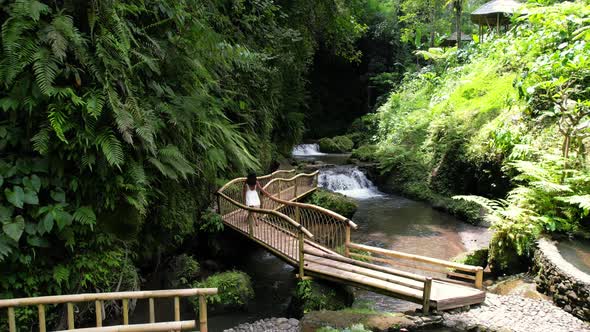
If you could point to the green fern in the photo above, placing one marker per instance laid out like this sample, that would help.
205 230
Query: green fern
111 148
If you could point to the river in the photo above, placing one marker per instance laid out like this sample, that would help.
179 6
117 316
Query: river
383 220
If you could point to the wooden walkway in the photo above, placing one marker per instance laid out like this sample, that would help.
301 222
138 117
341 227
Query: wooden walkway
317 242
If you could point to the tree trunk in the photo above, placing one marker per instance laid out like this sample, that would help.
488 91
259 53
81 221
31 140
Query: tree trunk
458 13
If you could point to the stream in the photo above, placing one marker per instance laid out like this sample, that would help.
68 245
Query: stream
383 220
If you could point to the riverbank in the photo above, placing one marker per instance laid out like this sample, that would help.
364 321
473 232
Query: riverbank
497 314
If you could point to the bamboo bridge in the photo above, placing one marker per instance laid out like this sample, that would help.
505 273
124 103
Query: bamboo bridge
317 242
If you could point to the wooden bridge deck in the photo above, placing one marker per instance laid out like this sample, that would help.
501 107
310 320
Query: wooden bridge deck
322 262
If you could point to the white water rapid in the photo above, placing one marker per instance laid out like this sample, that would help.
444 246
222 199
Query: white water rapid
307 150
349 181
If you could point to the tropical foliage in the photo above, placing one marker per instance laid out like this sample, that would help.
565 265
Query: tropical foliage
509 116
118 118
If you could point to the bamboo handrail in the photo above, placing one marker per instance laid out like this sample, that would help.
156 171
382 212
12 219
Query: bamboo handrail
265 211
332 214
91 297
98 298
424 259
263 177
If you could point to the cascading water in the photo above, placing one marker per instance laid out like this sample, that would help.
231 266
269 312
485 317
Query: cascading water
302 150
349 181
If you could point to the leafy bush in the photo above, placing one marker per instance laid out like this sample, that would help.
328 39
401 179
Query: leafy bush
314 295
333 201
183 271
235 289
476 258
365 153
338 144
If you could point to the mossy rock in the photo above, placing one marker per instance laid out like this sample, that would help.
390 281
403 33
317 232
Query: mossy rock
475 258
183 270
234 291
338 144
354 320
365 153
334 202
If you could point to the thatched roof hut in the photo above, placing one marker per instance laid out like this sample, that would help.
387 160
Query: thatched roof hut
495 13
452 39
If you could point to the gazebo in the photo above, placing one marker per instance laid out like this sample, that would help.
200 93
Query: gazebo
452 39
496 13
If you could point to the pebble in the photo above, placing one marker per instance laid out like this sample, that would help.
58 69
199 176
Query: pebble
516 314
268 325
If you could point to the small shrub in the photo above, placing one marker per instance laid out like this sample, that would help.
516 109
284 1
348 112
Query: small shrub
234 289
314 296
338 144
344 143
365 153
334 202
327 145
475 258
183 271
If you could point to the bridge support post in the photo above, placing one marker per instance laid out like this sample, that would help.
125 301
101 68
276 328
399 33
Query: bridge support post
426 295
347 241
479 278
251 224
11 320
202 314
301 255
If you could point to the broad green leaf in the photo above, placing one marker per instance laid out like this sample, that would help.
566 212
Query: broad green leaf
15 229
58 195
5 213
47 222
15 196
31 228
36 181
31 197
36 241
62 219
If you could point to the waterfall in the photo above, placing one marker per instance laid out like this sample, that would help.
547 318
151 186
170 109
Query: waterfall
349 181
307 150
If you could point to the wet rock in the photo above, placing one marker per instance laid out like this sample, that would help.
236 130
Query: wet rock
268 325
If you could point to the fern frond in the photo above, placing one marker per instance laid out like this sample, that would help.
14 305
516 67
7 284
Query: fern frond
111 148
582 201
46 70
41 141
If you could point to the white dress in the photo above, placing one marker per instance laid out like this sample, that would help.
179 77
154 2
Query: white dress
252 198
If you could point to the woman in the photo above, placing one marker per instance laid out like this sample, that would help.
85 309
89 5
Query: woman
250 193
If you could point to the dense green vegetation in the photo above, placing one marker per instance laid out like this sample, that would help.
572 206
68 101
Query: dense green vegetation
336 202
508 117
118 118
235 290
338 144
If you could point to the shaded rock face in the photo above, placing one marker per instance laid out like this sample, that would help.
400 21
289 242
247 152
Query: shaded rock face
568 287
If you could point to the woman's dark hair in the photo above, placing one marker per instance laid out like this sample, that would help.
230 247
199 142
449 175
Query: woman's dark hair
251 180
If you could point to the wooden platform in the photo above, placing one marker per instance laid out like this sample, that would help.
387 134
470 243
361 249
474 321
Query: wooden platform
324 263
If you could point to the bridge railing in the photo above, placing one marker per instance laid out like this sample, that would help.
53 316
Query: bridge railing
124 297
330 229
448 271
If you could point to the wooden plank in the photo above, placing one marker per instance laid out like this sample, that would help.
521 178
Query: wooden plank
367 272
156 327
398 254
152 311
389 270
